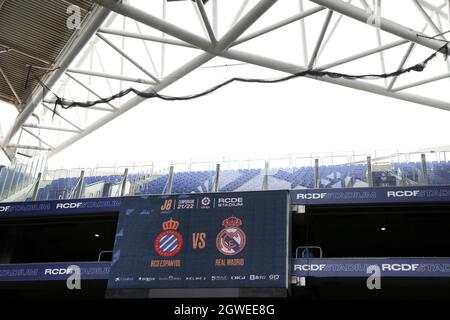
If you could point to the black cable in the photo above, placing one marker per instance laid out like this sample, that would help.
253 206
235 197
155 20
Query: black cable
419 67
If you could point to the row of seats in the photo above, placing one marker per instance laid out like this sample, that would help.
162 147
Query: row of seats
62 188
253 179
438 172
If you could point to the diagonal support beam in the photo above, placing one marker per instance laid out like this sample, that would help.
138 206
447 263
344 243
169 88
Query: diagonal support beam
422 82
331 33
25 54
280 24
239 13
362 54
61 116
206 23
404 59
11 87
312 61
37 137
126 56
93 92
153 22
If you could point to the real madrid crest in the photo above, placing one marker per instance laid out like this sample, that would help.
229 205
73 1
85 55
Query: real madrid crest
231 239
169 242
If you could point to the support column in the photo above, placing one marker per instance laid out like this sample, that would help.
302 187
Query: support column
316 173
369 171
266 176
36 187
424 169
124 182
169 183
79 186
217 179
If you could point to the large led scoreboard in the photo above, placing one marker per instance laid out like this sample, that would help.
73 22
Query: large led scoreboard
208 242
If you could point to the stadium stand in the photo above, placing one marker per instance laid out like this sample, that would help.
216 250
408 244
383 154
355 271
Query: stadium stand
250 179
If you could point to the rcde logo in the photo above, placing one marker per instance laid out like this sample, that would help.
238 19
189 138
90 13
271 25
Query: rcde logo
230 202
69 205
403 193
4 208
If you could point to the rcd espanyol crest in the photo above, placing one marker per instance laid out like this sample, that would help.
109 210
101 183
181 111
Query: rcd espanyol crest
169 242
231 239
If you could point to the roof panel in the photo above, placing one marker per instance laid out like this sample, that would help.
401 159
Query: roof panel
35 28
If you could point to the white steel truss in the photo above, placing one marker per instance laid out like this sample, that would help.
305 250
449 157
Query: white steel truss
426 31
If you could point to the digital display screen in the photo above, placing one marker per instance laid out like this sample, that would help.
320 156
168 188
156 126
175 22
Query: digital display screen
217 240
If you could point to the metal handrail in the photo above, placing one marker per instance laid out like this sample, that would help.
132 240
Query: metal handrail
102 252
308 247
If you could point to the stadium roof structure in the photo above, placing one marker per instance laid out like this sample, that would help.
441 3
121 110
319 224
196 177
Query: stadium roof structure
174 40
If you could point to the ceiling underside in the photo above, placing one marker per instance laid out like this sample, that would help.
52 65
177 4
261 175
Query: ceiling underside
33 33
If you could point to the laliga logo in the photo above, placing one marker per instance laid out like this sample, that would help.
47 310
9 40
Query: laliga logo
231 240
169 242
206 201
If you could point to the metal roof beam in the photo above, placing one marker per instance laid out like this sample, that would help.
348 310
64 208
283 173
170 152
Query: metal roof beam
279 24
386 25
312 60
25 54
140 36
27 147
110 76
37 126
